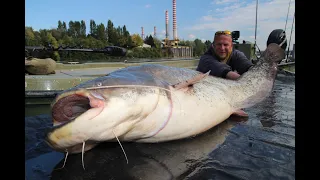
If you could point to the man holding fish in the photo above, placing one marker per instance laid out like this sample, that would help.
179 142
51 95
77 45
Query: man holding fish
224 61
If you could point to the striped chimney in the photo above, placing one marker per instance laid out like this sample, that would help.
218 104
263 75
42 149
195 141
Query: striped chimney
175 36
142 33
167 25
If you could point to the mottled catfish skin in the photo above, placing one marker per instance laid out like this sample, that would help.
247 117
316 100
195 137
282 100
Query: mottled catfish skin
141 103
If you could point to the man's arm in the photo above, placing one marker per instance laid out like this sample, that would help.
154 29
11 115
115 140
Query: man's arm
241 63
217 68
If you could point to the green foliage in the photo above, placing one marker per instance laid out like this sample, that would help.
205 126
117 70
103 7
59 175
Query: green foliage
136 40
100 36
199 47
139 52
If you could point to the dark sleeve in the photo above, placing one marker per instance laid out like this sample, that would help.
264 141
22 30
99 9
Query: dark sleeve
241 63
217 68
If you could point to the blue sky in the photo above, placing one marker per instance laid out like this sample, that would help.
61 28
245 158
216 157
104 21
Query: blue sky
195 19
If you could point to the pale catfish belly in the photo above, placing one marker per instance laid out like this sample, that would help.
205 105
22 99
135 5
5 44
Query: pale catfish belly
193 112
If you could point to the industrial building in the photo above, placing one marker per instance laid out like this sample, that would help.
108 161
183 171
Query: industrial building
171 46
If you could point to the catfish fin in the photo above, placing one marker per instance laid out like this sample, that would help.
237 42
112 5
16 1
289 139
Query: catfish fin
190 82
240 113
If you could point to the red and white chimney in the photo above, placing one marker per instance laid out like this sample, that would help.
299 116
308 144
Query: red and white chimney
142 33
167 25
174 13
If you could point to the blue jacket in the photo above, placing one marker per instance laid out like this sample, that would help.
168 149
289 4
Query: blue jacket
237 61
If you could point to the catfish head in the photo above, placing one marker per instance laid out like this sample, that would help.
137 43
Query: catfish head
99 110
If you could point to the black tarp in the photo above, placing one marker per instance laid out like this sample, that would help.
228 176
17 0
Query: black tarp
262 147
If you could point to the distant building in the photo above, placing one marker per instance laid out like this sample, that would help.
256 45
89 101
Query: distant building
145 45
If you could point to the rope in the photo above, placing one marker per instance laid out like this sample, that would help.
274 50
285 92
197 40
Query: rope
287 16
290 35
255 33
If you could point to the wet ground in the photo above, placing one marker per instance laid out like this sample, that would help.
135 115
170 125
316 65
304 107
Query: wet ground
261 147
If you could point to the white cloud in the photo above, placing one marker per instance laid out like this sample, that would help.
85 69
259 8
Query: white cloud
229 8
241 16
224 1
191 36
161 34
208 18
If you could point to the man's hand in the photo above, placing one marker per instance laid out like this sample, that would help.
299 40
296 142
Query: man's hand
232 75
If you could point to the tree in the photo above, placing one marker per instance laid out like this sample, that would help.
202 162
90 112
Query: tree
125 32
207 43
29 36
56 34
93 28
112 37
149 40
53 42
60 26
83 29
157 43
71 30
64 27
77 29
100 36
136 40
101 32
199 47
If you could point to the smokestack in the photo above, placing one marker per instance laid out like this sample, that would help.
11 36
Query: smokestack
175 36
167 25
142 33
154 32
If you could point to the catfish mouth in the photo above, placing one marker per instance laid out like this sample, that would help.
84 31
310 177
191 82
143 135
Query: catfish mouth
76 107
70 107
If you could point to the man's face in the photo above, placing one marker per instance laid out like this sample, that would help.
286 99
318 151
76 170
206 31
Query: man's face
222 46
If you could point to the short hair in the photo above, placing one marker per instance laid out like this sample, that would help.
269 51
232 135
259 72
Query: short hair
226 32
218 33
